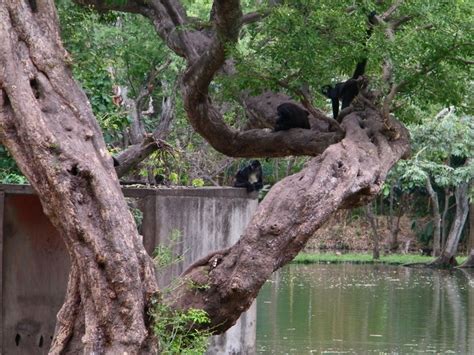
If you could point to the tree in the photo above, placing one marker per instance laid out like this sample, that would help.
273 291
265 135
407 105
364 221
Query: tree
470 259
48 127
442 147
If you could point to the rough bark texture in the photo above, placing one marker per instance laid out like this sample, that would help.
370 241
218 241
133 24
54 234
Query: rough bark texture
346 174
470 259
436 218
48 127
375 234
446 259
444 220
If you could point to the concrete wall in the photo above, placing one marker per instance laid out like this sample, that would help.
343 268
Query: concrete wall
34 264
205 219
35 268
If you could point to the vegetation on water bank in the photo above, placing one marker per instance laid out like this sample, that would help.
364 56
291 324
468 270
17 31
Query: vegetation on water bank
362 258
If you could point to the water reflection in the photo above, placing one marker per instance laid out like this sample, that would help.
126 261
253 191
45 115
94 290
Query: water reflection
347 308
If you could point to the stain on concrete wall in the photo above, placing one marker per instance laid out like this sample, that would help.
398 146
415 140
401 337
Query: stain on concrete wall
211 220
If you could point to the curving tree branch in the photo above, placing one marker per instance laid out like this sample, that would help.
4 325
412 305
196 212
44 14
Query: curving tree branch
348 173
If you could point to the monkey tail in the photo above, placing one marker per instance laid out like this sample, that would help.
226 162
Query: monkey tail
360 68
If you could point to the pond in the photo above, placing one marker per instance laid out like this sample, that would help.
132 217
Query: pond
354 309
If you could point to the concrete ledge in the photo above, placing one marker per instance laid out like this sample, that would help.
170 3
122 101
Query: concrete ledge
209 192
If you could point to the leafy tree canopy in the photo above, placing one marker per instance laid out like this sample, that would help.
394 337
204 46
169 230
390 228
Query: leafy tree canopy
314 43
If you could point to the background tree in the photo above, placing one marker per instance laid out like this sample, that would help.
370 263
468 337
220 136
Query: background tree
441 150
47 124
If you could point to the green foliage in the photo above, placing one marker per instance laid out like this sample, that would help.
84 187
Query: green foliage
108 50
197 182
319 42
394 259
441 145
137 215
175 332
83 31
423 231
164 255
9 172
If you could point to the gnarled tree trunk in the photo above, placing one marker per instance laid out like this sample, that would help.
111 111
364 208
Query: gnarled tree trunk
446 259
469 263
48 126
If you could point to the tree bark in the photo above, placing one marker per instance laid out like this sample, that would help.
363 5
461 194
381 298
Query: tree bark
436 218
444 222
375 234
446 259
346 174
469 263
48 126
394 224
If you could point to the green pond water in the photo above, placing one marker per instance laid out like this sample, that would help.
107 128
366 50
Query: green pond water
366 309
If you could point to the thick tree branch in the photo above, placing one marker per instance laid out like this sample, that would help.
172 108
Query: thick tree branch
169 19
134 154
346 174
48 126
209 123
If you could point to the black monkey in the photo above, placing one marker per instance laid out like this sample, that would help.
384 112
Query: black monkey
250 177
345 91
291 116
349 89
426 251
160 179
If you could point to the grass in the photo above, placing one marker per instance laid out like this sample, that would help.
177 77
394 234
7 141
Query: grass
363 258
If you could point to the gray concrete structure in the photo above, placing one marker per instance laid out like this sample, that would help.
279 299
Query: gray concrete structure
34 264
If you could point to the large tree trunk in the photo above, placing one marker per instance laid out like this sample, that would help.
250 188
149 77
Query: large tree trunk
48 126
375 233
345 175
444 217
446 259
394 226
469 263
436 218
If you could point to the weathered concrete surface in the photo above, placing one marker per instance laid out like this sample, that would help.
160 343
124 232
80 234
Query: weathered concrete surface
34 276
204 220
34 264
